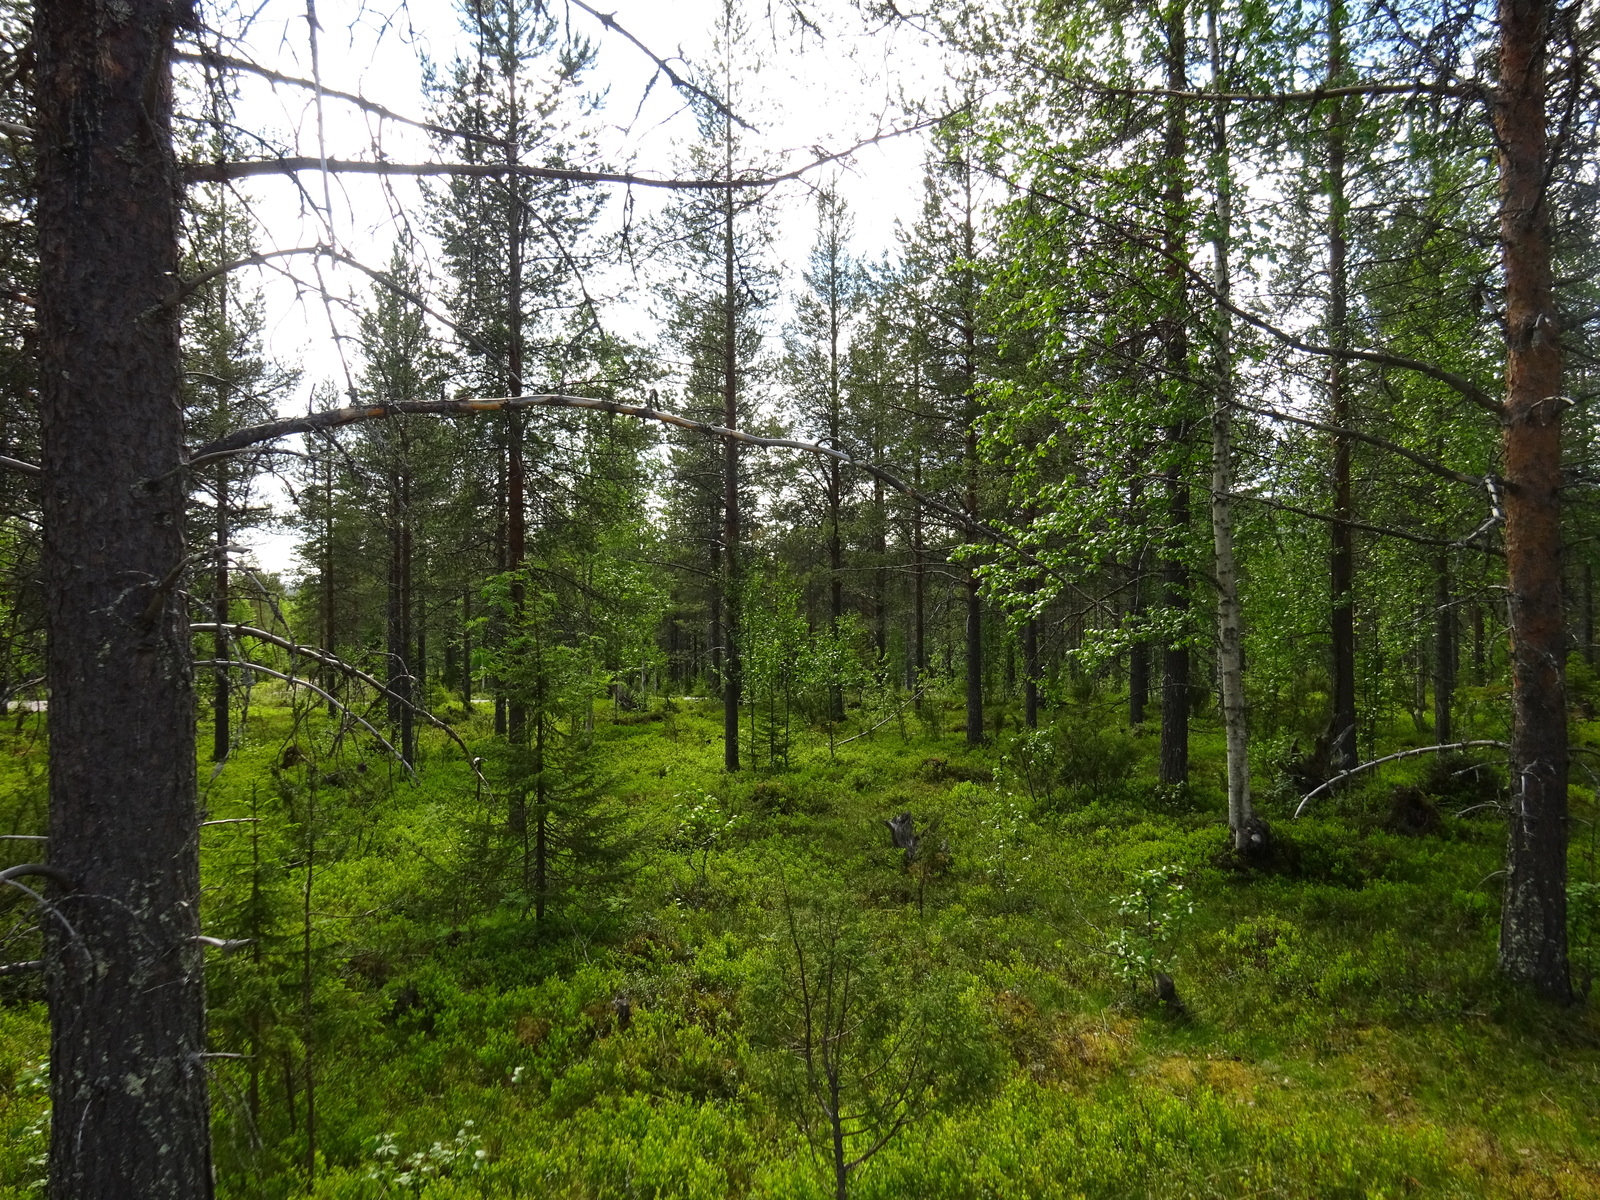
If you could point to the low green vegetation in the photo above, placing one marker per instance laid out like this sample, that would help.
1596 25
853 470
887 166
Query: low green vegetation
726 962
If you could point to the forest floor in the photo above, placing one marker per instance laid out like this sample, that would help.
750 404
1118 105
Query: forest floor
989 1012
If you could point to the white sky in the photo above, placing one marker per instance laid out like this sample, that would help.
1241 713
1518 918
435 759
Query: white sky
813 94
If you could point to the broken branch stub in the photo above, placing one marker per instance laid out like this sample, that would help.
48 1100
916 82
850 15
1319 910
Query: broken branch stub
902 832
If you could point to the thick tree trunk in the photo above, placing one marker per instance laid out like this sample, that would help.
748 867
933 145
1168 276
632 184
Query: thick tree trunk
127 989
1230 622
1342 730
1174 764
1533 927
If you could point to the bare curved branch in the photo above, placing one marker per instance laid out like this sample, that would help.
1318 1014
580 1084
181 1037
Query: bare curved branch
44 871
296 681
228 62
609 21
1367 766
334 418
221 172
331 660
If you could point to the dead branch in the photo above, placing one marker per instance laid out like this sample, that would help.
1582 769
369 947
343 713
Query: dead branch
226 945
189 287
331 660
1367 766
227 62
1421 460
221 172
609 21
296 681
334 418
1418 539
54 874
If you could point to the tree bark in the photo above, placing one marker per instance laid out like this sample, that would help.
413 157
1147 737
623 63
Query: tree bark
1030 671
399 677
516 479
919 620
1174 761
1533 926
1139 651
969 366
221 734
733 675
1444 653
130 1115
1230 631
1342 730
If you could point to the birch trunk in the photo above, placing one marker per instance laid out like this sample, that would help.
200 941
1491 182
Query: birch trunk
1230 644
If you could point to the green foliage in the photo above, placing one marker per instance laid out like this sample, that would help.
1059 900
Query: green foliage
867 1035
392 1170
1583 919
703 827
1153 912
1075 761
1346 1032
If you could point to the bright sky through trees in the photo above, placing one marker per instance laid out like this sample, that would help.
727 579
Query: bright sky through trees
817 94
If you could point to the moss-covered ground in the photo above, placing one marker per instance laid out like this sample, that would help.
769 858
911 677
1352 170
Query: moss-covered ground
1340 1030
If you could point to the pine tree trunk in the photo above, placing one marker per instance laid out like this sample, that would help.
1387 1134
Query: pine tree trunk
221 734
330 678
1533 926
129 1111
835 544
1139 651
497 620
919 624
969 319
733 677
516 478
880 551
541 810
